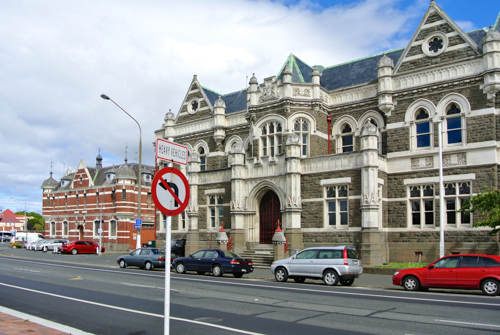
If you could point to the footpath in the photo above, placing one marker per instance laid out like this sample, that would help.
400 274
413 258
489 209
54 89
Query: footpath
14 322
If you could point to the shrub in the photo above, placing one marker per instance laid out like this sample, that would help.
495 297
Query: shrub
15 245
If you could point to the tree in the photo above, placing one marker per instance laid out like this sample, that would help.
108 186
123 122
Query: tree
488 204
37 222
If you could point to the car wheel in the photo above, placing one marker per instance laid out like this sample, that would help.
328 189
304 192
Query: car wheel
299 280
148 266
74 251
179 267
347 282
238 275
490 286
123 264
411 283
281 275
217 270
45 249
201 273
330 278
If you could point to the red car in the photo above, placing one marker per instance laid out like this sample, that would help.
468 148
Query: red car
454 271
80 247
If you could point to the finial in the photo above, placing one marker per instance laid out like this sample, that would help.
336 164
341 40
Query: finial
126 147
51 167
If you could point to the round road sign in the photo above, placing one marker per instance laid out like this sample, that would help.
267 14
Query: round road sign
170 191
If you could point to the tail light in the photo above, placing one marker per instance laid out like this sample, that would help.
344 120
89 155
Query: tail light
346 261
161 259
250 263
235 262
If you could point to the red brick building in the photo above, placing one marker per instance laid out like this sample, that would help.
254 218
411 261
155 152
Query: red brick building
106 198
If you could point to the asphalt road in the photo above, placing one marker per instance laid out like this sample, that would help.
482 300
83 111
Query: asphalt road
105 299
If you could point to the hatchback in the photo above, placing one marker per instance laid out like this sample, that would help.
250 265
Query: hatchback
332 264
82 247
454 271
144 258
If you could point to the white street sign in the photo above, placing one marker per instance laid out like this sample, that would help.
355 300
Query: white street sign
171 152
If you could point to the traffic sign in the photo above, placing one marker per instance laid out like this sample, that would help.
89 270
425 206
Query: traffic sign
171 151
170 191
137 226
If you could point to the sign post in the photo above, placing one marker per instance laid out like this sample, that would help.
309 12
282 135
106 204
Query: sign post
170 193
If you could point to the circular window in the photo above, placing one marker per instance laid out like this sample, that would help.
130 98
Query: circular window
435 44
193 106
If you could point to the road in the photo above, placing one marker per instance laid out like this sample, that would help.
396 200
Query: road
110 300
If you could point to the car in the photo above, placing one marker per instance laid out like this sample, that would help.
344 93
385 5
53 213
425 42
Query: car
332 264
178 246
215 261
80 247
35 246
144 258
50 245
468 271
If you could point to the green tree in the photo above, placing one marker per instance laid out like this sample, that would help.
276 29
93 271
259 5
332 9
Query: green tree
488 204
36 223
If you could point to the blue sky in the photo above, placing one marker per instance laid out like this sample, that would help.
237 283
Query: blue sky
58 56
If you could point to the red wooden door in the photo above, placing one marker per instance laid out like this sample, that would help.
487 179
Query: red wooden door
269 216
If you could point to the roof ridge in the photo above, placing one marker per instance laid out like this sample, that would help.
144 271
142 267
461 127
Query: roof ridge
497 22
222 95
359 59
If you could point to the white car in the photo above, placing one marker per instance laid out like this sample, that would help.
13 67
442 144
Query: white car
35 245
51 245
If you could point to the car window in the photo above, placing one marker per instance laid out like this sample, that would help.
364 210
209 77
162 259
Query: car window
145 252
135 252
154 251
352 254
307 254
448 262
328 254
211 254
230 254
199 253
488 262
468 262
80 243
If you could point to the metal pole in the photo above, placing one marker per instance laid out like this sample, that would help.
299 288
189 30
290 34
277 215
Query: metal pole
25 221
441 192
168 251
138 244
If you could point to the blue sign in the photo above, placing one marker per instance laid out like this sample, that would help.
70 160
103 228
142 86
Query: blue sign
138 223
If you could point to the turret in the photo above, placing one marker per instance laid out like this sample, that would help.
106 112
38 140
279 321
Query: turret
384 69
491 62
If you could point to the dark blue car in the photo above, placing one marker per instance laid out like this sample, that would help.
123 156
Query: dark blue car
215 261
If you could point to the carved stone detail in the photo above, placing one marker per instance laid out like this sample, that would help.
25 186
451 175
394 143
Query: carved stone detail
294 202
454 159
270 93
370 199
324 97
422 163
306 93
239 204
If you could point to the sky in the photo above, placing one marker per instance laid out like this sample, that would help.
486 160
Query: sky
58 56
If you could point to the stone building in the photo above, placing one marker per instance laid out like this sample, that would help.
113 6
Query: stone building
349 154
94 198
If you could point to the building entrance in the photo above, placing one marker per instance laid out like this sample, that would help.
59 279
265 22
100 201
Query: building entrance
269 215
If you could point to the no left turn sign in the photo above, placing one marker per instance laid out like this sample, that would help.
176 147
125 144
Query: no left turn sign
170 191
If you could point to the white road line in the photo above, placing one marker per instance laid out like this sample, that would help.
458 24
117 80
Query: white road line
470 323
240 331
145 286
26 270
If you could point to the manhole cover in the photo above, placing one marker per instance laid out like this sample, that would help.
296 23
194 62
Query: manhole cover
208 320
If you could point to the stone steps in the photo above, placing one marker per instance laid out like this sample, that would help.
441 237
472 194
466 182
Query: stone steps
261 258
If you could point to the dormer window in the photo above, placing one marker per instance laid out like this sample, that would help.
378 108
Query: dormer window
110 176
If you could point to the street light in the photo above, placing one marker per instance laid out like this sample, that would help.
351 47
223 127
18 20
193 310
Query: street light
138 244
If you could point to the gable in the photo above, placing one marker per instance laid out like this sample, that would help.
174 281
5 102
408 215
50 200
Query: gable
438 39
197 103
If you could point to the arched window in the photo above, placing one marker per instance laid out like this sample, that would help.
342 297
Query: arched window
203 159
347 138
272 139
301 127
454 124
423 128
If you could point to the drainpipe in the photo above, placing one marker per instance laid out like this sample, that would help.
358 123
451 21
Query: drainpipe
329 119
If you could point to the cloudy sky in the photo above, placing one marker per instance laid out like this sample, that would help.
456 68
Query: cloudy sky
57 57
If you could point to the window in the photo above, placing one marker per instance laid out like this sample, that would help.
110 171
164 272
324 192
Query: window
337 204
48 201
455 194
113 197
112 228
77 200
448 262
454 126
66 202
347 138
423 129
149 199
203 159
65 228
301 128
182 221
215 210
124 195
97 199
84 201
97 225
272 139
52 228
307 254
422 205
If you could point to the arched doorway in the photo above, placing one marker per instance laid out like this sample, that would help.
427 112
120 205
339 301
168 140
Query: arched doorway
80 231
269 213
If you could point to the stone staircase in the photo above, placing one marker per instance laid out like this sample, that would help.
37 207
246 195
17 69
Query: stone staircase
262 256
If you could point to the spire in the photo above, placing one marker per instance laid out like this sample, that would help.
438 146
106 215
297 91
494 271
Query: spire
126 147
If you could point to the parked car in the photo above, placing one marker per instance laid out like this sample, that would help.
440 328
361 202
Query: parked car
80 247
454 271
144 258
213 260
178 246
50 245
35 246
332 264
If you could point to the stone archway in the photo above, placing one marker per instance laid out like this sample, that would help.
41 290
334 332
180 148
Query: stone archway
269 214
80 231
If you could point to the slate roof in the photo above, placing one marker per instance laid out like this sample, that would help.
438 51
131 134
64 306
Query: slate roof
339 76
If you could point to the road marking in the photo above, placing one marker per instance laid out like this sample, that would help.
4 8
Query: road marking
145 286
26 270
234 330
470 323
79 278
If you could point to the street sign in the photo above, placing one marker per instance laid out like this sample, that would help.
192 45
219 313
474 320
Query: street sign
137 226
170 191
171 152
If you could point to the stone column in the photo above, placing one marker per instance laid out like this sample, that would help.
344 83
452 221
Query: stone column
279 241
491 62
293 206
193 234
238 199
385 67
373 241
219 123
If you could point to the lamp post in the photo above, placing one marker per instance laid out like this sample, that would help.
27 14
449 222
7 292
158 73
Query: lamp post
138 244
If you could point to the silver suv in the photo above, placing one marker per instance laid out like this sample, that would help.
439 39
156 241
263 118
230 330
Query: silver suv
332 264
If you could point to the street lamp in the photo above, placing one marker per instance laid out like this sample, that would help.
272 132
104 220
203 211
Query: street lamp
138 244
